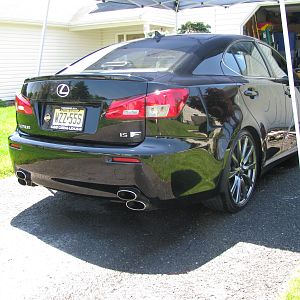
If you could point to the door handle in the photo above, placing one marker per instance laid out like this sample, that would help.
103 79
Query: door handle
251 93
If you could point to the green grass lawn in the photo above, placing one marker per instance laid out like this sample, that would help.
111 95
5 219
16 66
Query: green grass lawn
294 289
7 126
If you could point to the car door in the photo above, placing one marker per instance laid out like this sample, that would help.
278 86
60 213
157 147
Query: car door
279 68
262 96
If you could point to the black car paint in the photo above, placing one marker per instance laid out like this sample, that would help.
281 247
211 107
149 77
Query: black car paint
179 158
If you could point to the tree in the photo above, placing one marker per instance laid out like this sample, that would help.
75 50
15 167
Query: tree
190 27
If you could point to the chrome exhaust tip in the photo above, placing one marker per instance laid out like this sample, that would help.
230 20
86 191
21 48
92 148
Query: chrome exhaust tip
134 199
21 175
22 181
127 195
24 178
137 205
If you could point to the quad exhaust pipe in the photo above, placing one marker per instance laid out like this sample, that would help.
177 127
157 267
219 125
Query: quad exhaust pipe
138 205
134 199
24 178
127 195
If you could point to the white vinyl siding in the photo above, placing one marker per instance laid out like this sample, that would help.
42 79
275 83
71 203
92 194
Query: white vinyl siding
222 20
230 20
19 52
63 47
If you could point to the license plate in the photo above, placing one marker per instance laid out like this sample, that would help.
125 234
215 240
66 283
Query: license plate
68 118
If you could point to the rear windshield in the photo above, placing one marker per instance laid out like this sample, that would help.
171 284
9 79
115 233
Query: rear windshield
131 57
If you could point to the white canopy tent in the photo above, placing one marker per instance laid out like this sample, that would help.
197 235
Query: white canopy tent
176 6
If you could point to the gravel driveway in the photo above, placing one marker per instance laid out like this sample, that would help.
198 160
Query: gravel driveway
61 246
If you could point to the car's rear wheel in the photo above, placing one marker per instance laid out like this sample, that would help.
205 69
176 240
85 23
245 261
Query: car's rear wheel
240 174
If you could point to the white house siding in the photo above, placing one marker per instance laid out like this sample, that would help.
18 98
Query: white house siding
222 20
18 57
230 20
160 17
19 48
63 47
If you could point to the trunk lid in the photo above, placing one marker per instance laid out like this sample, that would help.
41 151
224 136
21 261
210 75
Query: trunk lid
73 108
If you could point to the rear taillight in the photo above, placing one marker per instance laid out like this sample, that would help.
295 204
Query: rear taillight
23 105
160 104
129 109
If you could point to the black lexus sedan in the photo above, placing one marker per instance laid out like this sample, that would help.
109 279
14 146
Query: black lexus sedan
158 121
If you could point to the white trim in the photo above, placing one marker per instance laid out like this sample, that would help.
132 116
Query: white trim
116 24
33 23
254 11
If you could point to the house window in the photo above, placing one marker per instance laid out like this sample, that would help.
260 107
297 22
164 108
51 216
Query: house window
129 37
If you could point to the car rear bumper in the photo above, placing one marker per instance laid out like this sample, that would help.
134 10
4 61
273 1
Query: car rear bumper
170 168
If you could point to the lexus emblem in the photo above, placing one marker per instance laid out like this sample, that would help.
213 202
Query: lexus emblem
62 90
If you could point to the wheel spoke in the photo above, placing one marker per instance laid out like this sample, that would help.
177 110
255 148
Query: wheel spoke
238 190
239 150
232 173
247 156
250 167
244 148
233 188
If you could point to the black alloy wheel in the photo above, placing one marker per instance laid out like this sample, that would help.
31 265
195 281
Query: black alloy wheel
239 176
243 170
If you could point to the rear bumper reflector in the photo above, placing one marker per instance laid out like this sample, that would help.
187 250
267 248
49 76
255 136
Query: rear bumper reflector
15 146
125 160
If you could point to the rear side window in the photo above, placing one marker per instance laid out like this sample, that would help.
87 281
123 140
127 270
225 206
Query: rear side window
277 63
210 66
249 60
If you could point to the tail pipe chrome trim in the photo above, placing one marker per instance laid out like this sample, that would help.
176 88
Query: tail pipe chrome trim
24 178
127 195
22 181
134 199
21 175
138 205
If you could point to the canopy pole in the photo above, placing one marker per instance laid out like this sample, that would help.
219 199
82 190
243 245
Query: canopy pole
43 39
290 72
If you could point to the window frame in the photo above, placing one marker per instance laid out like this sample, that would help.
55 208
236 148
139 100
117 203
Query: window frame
125 36
270 71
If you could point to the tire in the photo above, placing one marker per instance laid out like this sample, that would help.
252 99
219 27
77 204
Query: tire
239 176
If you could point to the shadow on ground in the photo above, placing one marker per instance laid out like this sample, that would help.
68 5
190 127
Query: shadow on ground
167 241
